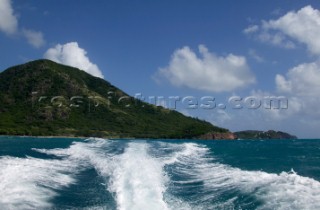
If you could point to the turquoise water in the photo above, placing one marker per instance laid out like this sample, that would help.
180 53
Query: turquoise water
57 173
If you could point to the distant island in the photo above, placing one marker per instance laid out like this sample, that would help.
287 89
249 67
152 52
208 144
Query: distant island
271 134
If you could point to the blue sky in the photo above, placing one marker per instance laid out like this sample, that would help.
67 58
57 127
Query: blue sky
183 48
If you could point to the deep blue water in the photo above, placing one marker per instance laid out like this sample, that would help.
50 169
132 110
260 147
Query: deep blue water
58 173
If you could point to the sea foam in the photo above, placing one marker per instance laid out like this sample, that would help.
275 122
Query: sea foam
30 183
286 190
152 175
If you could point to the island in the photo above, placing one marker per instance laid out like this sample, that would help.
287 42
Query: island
270 134
44 98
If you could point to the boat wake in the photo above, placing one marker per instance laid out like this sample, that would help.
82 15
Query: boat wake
150 175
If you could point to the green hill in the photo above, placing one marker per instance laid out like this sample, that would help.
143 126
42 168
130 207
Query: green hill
43 98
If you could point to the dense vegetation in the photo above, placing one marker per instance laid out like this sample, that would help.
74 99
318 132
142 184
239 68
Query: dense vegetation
30 106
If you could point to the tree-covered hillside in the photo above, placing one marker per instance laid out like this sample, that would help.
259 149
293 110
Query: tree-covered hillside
43 98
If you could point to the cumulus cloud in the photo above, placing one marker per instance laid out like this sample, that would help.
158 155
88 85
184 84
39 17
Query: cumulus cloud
8 21
276 38
302 80
208 71
71 54
35 38
282 84
302 26
10 26
302 85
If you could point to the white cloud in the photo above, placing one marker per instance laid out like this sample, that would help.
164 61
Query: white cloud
282 84
35 38
8 21
71 54
207 72
9 25
302 26
277 39
302 80
302 85
298 94
251 29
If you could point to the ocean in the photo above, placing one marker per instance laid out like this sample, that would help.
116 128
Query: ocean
66 173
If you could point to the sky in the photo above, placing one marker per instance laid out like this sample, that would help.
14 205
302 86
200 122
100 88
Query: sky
220 60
